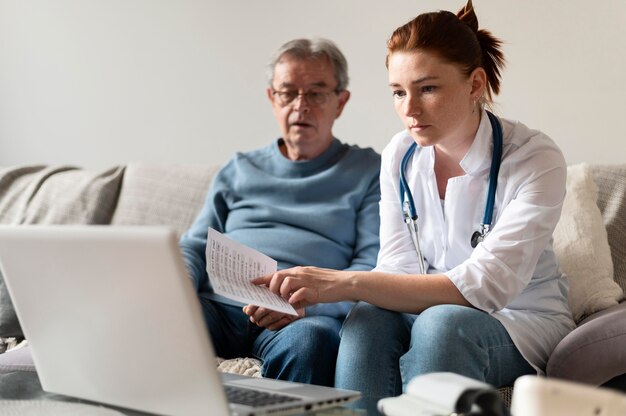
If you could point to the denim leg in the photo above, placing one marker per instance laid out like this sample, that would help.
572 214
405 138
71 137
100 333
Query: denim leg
465 341
372 341
304 350
231 331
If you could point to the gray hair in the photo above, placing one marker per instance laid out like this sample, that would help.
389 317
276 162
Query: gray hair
315 48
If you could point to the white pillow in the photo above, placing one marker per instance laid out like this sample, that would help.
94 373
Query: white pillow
582 246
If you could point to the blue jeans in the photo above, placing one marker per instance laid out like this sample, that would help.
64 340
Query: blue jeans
381 350
304 350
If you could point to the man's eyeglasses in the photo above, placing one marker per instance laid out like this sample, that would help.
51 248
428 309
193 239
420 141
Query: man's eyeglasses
314 98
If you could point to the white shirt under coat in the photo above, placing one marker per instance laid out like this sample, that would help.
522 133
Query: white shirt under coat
514 273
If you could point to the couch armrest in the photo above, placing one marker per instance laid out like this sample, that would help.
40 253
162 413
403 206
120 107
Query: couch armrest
595 351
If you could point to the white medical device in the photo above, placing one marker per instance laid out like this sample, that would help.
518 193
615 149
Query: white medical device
541 396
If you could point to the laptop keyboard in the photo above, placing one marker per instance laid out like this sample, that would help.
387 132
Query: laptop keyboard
256 398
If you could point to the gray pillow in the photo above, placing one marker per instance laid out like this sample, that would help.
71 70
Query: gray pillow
53 195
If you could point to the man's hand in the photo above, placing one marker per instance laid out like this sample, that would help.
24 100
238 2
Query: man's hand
269 319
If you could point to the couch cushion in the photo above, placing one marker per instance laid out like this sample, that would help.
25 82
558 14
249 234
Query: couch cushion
581 244
53 195
611 181
162 194
17 359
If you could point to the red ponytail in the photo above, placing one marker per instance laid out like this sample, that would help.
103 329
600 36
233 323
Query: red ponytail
455 38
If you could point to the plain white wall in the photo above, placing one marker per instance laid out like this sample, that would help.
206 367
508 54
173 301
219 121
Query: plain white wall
96 83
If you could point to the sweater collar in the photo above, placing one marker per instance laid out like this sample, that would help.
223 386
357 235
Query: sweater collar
299 168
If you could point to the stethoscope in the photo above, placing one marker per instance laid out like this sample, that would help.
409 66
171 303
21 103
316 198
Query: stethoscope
408 205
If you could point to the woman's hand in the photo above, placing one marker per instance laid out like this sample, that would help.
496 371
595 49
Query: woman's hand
269 319
305 286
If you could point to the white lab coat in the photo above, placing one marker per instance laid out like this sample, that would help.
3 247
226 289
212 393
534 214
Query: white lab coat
513 274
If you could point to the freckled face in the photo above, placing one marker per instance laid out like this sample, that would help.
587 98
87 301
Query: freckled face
433 98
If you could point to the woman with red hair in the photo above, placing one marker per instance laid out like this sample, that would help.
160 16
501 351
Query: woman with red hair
474 286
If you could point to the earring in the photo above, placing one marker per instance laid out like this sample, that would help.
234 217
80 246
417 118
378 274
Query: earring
474 106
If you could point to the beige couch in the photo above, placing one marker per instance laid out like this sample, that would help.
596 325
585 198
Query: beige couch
167 194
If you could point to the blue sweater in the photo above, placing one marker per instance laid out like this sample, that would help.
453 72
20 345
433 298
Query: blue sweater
321 212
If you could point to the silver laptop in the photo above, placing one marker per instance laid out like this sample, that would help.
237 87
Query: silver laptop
111 316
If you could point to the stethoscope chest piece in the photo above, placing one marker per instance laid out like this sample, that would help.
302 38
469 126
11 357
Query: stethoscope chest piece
477 237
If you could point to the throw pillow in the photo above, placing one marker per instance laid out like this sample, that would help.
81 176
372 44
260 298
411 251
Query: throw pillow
581 244
52 195
611 182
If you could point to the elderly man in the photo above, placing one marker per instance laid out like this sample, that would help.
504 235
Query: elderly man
306 199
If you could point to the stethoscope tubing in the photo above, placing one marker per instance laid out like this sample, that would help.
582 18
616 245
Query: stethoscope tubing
496 159
407 203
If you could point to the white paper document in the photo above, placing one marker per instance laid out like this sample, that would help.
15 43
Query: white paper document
231 265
